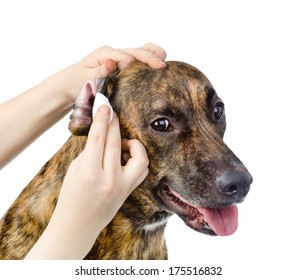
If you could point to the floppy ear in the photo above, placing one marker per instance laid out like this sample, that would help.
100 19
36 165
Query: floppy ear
82 115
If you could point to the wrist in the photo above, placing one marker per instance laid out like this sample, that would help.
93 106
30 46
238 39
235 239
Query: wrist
66 84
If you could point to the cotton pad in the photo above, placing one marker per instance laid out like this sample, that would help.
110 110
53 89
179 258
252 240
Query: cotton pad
100 100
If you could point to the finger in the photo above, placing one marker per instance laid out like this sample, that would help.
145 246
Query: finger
125 152
145 56
150 54
112 152
157 50
136 169
94 149
100 56
137 151
110 66
103 70
139 180
126 156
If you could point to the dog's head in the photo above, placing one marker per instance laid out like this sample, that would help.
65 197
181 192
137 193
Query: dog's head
177 115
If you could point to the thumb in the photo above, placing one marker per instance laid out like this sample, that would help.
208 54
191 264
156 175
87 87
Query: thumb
105 69
136 168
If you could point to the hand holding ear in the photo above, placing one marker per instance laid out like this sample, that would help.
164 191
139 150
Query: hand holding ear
106 60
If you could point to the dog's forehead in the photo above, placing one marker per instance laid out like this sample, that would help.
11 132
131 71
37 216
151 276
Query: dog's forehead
177 83
173 70
186 84
177 78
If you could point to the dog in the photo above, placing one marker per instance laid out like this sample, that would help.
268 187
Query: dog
176 113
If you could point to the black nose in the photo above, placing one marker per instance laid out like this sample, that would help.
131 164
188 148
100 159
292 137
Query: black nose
235 184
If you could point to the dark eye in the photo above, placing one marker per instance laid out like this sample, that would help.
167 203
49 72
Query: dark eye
160 125
219 110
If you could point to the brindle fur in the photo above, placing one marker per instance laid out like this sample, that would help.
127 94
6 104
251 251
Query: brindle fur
188 158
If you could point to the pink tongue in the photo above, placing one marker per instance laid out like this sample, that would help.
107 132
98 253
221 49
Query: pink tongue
223 221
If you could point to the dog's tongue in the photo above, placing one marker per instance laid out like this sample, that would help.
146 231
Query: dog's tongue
223 221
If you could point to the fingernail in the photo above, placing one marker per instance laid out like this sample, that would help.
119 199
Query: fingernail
104 109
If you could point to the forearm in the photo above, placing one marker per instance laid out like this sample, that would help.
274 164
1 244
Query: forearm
28 115
64 240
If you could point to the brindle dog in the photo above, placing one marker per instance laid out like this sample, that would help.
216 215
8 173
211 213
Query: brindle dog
176 113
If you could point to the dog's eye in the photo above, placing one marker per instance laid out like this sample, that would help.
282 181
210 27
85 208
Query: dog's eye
219 110
161 125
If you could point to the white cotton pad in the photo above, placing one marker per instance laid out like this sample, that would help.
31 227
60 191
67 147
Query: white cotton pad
100 100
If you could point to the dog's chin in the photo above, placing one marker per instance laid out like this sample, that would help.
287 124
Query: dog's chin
211 221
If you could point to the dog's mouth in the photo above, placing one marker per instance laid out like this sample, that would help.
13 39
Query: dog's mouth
212 221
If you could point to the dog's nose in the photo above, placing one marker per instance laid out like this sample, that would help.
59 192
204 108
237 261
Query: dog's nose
235 184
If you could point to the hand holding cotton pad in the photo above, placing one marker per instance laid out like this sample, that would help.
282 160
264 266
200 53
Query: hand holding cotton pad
100 100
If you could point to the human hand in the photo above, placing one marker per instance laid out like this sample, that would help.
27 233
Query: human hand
106 60
94 188
97 172
96 185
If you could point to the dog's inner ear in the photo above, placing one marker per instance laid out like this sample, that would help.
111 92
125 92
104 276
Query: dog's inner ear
109 86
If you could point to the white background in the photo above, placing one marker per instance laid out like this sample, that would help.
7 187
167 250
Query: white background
247 50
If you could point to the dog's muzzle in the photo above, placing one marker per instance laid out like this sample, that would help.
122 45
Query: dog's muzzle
232 185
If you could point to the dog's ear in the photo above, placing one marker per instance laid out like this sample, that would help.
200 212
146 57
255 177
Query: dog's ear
110 86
